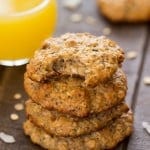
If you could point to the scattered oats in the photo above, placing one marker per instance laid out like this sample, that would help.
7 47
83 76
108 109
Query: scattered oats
90 20
72 4
17 96
14 117
106 31
131 55
76 18
7 138
146 126
146 80
19 106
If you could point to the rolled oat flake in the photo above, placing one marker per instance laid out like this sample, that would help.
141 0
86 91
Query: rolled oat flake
106 31
76 18
17 96
19 106
131 55
7 138
72 4
90 20
146 126
146 80
14 117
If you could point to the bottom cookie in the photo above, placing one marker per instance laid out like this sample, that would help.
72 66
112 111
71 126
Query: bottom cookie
106 138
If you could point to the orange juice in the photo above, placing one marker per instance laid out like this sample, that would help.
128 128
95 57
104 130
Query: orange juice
24 24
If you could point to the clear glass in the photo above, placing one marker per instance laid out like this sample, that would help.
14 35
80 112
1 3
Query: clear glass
24 25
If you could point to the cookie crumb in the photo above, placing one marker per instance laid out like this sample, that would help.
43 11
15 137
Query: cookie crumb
17 96
131 55
91 144
19 106
90 20
146 80
14 117
146 126
72 4
7 138
76 18
107 31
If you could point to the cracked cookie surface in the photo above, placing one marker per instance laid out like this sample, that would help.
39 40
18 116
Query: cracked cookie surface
107 138
94 59
59 124
68 95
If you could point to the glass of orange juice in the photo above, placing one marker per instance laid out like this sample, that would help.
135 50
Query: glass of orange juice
24 24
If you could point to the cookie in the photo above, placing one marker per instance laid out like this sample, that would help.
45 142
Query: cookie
94 59
107 138
127 10
68 95
59 124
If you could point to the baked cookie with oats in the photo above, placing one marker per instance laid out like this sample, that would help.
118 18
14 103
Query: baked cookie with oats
107 138
94 59
68 95
59 124
125 10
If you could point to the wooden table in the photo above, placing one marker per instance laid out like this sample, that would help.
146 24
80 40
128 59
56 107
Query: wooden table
130 37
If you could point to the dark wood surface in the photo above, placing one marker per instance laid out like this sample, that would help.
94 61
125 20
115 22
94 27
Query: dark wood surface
130 37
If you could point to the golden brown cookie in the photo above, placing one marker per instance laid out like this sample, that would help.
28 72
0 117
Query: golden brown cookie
68 95
125 10
59 124
94 59
106 138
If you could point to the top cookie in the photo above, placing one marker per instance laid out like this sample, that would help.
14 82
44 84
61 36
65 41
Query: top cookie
125 10
95 59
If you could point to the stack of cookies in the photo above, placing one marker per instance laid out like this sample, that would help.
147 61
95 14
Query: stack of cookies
77 90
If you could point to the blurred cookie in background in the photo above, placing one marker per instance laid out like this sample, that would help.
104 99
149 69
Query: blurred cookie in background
125 10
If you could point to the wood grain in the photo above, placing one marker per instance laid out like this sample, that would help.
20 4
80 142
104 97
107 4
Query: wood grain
140 140
129 37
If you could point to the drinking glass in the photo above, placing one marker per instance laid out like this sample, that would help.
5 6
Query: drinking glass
24 25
